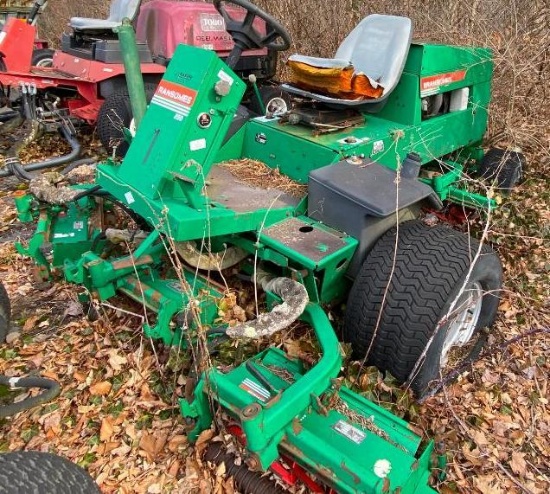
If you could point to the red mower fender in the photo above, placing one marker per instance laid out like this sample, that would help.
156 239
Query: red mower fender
16 44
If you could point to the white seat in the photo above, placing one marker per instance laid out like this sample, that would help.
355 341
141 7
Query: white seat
377 47
120 9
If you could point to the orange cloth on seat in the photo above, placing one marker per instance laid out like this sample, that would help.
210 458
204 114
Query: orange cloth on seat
334 81
361 86
330 80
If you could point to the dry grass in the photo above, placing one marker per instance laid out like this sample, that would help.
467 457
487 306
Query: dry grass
260 175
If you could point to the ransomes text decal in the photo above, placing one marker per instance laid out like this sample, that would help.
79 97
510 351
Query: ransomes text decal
434 82
174 97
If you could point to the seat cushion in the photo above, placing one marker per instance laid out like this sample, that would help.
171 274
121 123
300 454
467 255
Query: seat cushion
332 76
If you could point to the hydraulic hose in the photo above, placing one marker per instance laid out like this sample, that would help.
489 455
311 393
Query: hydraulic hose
14 166
51 387
8 115
295 298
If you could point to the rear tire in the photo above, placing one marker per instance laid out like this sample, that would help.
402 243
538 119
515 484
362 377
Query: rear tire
431 265
33 471
503 167
42 57
114 115
5 314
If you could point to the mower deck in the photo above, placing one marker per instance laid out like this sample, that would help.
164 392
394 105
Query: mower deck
350 443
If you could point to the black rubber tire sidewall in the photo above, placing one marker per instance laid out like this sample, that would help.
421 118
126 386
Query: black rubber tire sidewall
46 473
5 313
41 54
487 272
117 106
502 167
430 267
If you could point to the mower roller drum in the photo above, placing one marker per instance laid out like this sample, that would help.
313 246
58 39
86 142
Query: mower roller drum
423 295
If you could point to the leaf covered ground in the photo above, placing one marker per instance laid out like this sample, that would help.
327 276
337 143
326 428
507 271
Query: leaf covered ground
117 414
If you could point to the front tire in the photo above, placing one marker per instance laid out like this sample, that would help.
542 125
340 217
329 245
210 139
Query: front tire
42 57
426 316
114 115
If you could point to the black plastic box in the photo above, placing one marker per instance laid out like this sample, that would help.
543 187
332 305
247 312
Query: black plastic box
361 200
108 51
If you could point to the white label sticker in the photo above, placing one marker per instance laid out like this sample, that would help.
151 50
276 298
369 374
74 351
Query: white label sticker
78 225
224 76
255 390
129 197
197 144
349 431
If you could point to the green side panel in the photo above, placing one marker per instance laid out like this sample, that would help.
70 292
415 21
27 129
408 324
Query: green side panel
291 149
444 134
403 106
185 123
233 148
296 150
427 59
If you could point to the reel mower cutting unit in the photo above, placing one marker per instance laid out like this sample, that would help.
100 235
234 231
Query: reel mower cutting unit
417 296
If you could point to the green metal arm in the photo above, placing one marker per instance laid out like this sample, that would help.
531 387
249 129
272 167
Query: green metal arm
264 425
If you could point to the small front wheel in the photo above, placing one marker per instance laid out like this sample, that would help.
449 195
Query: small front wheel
503 168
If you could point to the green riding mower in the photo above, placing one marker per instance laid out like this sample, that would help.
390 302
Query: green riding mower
315 207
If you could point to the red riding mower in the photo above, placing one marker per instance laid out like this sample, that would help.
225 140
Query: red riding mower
86 81
24 14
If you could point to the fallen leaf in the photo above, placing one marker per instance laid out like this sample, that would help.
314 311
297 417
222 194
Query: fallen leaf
117 361
101 388
518 463
106 430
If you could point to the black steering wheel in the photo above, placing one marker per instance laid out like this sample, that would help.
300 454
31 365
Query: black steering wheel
246 36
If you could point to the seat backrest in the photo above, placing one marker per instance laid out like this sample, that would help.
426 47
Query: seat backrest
378 47
121 9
